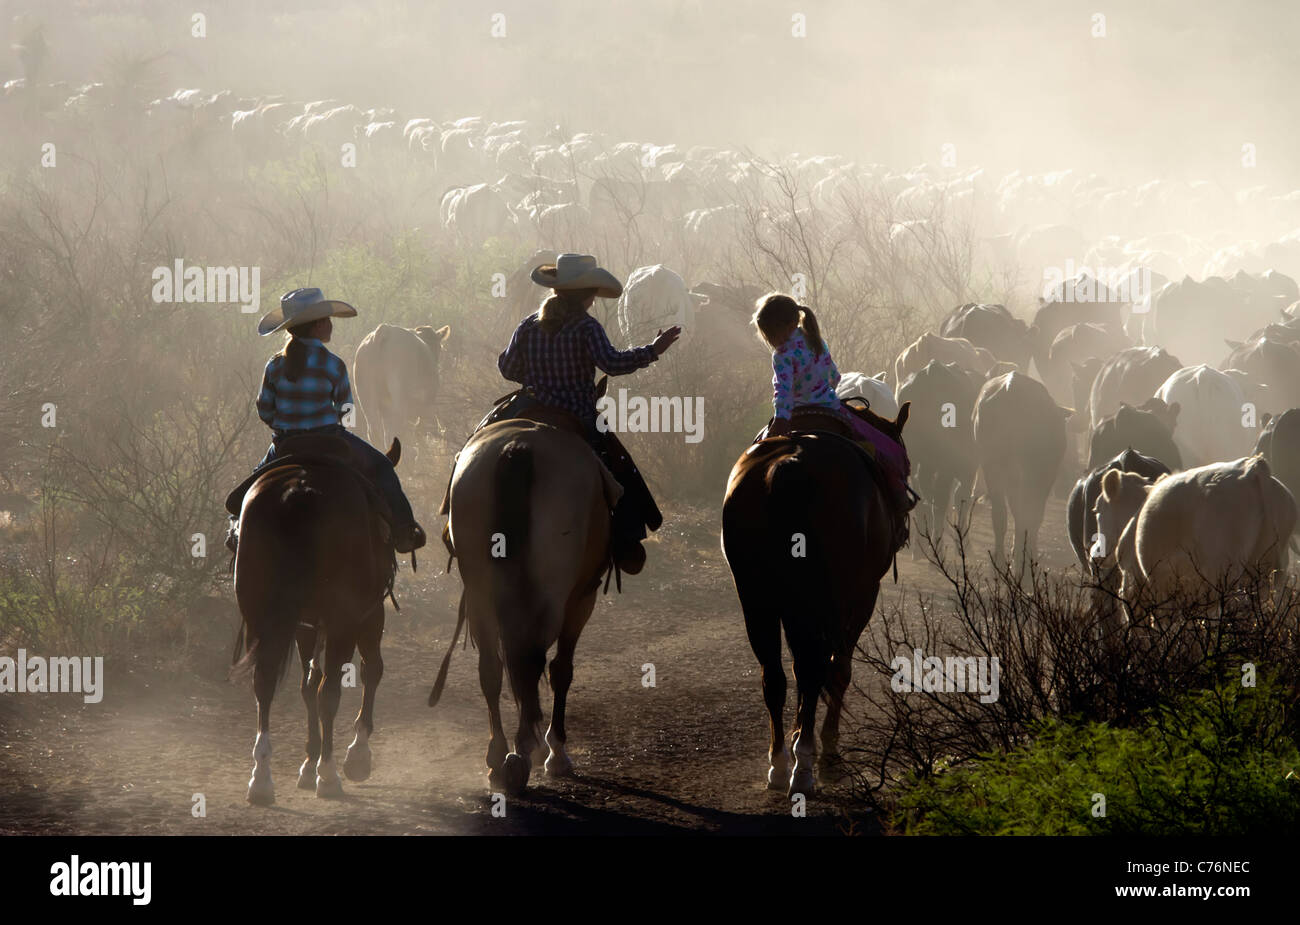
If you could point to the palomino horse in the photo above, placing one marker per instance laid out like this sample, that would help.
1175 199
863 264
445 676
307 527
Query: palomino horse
312 566
807 532
529 521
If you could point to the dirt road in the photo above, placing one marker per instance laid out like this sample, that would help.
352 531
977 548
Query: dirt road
687 755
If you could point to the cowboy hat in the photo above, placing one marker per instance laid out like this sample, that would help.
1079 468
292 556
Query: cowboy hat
301 307
578 271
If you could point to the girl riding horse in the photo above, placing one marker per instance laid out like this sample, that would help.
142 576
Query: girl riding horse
304 390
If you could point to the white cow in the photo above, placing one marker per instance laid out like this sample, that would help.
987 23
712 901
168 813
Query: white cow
476 213
1210 423
655 298
1212 523
873 388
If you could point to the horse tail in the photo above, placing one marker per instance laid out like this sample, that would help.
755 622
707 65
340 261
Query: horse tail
515 470
798 548
270 631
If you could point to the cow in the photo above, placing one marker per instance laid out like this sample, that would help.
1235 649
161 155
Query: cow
1273 362
1080 300
1279 443
1148 428
993 328
1080 511
1192 318
655 298
1216 524
941 443
1130 376
873 389
476 212
930 346
1019 443
395 375
1210 420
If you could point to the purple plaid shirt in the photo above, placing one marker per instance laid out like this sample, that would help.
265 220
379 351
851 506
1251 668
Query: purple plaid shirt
560 368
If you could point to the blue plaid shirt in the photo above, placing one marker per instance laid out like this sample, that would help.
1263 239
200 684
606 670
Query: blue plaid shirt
315 400
560 368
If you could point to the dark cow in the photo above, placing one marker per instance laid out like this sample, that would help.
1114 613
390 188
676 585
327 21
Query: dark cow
1084 375
1019 442
1081 519
1272 362
941 443
1191 319
1080 300
1130 376
1086 340
1279 443
993 328
1148 428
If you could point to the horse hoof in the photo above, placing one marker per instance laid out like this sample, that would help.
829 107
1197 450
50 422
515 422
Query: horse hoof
307 774
832 770
356 766
558 765
329 788
776 778
261 792
801 781
514 774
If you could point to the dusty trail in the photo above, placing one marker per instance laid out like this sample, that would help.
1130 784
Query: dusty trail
684 756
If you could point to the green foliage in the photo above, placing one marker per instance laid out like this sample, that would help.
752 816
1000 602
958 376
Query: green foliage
1216 762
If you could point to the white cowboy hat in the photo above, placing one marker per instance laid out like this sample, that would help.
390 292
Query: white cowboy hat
301 307
578 271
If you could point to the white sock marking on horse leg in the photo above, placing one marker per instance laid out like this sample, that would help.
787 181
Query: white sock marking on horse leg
260 789
558 763
779 768
805 754
327 779
357 763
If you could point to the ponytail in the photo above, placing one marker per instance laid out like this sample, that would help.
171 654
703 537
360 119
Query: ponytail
561 306
295 352
811 332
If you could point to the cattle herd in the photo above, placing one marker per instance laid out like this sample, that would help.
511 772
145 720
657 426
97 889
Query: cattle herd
1166 340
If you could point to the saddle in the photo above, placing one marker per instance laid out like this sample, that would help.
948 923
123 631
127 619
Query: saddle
818 419
311 449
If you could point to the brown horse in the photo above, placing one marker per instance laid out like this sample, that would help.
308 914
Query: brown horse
807 532
529 523
313 565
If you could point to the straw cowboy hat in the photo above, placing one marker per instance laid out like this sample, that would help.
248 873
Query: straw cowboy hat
578 271
302 306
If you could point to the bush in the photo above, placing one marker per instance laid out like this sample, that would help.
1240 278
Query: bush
1218 762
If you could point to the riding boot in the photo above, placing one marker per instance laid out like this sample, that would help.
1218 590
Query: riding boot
636 509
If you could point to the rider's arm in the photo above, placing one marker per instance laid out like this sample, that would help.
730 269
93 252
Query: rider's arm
266 398
782 384
342 394
511 362
616 362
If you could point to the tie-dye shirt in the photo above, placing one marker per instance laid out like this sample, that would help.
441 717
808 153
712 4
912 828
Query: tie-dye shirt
799 378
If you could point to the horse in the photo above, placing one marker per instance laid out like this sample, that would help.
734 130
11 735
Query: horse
312 567
807 533
529 521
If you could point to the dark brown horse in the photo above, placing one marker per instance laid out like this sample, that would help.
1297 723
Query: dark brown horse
313 565
807 531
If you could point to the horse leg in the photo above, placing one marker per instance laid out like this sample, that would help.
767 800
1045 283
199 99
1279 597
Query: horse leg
810 664
998 506
489 680
830 765
763 625
526 664
558 763
327 703
310 681
356 766
261 792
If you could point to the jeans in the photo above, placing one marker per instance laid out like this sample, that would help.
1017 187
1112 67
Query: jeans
371 463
